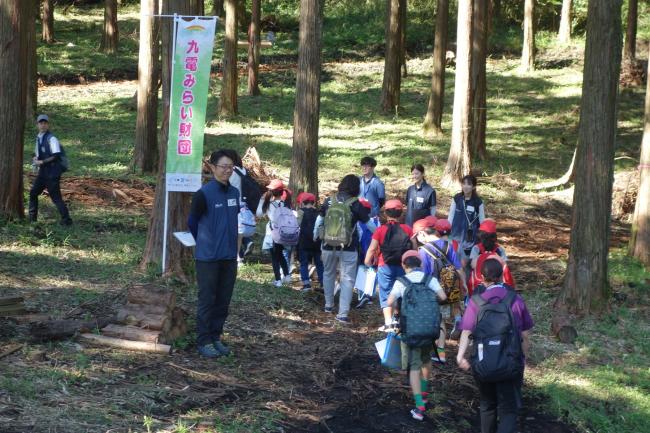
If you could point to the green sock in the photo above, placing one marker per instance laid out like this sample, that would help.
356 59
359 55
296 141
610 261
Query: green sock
419 402
424 385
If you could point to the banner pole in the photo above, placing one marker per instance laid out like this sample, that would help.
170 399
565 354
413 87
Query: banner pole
171 90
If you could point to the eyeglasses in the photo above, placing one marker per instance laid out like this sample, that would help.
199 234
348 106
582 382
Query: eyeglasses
225 167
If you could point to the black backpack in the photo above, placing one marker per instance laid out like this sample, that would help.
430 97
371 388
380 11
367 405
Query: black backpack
396 242
250 190
307 224
497 355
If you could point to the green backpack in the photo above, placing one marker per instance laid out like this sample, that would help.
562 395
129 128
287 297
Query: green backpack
338 227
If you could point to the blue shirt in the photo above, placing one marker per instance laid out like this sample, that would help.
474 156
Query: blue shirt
216 231
373 191
427 260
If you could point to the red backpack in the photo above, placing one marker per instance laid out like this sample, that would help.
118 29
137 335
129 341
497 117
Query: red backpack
476 278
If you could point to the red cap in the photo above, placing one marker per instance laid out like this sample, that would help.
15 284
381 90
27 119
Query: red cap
305 196
394 204
443 226
410 253
420 225
432 220
365 203
488 226
275 184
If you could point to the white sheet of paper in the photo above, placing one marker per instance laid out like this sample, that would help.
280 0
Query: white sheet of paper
185 238
366 280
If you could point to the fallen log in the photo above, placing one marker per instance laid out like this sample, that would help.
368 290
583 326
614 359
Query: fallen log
12 301
131 333
151 295
128 344
148 308
12 310
159 322
30 318
59 329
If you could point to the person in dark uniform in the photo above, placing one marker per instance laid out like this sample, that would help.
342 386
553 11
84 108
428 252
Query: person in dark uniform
420 197
47 158
213 222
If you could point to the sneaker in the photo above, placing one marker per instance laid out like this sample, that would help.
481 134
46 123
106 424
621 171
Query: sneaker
386 328
328 309
441 358
249 248
286 279
306 288
417 413
277 283
362 302
222 348
209 351
240 262
343 319
455 333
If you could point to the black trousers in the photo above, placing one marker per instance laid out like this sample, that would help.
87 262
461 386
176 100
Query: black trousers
54 189
499 404
216 281
278 261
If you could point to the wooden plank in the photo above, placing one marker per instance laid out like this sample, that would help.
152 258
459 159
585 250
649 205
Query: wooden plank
12 300
131 333
11 349
140 346
12 310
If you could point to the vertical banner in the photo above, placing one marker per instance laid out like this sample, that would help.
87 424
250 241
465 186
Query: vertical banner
188 100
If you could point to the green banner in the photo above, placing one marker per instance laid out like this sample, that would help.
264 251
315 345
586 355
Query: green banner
189 96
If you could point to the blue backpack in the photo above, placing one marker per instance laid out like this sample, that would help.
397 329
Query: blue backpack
419 313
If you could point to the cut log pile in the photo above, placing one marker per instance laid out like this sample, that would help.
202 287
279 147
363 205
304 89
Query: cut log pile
149 321
14 306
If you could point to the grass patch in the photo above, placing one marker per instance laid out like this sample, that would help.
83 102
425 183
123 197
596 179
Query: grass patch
603 383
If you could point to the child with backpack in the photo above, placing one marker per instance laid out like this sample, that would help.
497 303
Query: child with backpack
283 227
309 247
389 242
419 324
440 260
487 247
498 322
338 217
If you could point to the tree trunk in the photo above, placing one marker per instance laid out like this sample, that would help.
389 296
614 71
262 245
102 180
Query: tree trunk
241 15
197 7
13 69
110 34
48 22
390 89
433 119
640 236
146 132
629 49
304 158
479 80
217 8
32 61
179 202
254 49
528 51
228 101
564 35
459 161
586 286
403 17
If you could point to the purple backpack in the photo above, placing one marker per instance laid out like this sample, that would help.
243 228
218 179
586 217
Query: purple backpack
284 227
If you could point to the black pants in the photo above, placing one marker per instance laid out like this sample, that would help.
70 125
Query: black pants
278 261
216 281
499 404
53 188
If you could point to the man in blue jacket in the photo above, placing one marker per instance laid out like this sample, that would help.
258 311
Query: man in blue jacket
47 158
213 223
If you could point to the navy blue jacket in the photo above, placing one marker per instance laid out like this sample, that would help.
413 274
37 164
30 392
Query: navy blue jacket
216 230
52 169
466 217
